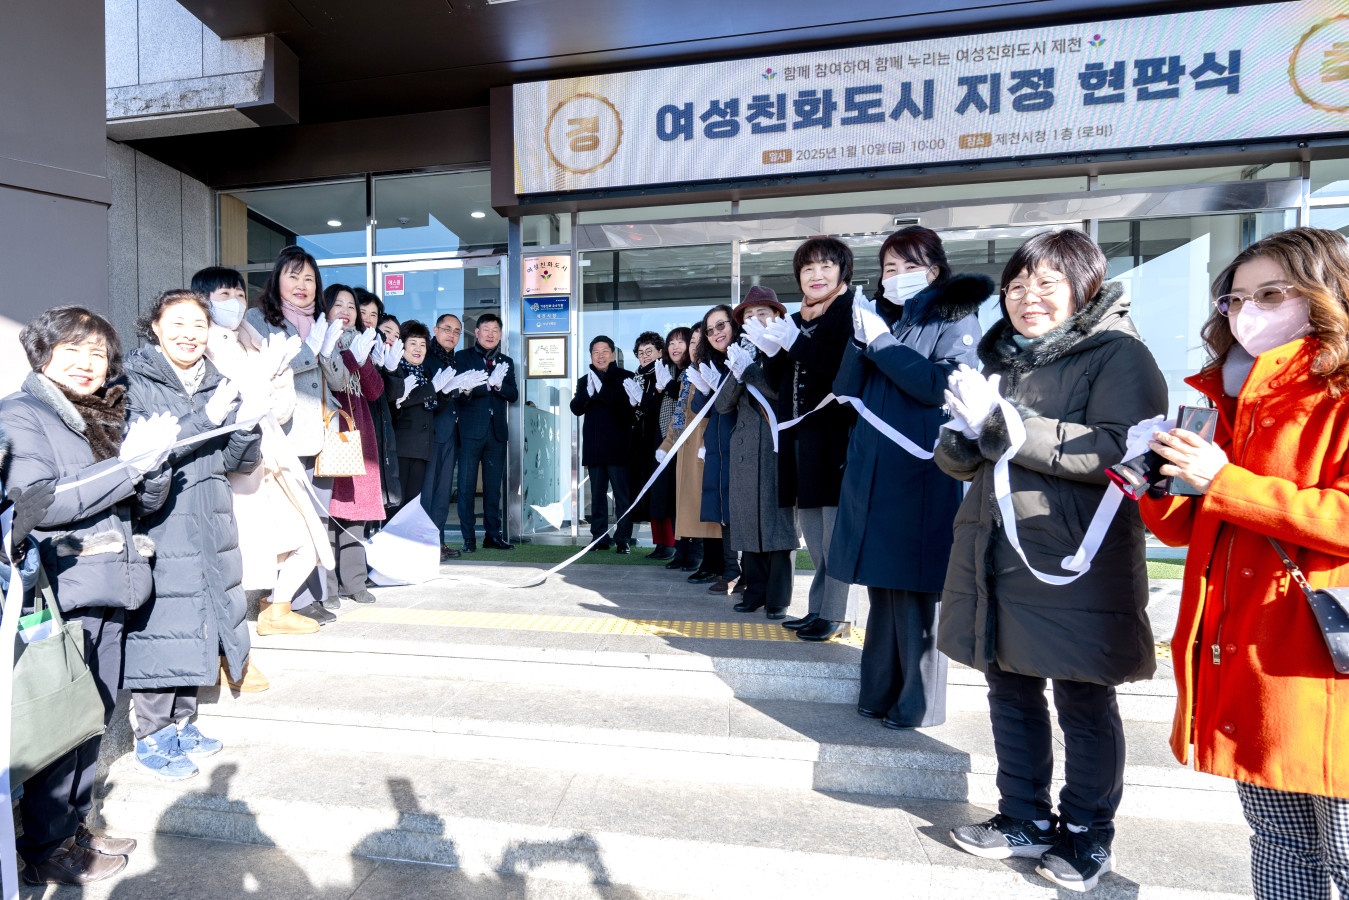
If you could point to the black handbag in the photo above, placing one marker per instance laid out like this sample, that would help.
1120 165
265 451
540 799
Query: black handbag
1331 608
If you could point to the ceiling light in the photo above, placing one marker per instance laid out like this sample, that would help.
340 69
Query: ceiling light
334 223
478 214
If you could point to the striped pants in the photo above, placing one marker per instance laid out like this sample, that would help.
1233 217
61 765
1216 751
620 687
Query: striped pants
1300 845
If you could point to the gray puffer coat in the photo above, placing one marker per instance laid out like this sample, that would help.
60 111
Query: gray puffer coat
198 607
88 546
757 523
1079 389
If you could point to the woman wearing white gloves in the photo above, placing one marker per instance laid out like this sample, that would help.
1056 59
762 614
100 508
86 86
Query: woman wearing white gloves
357 499
1076 378
281 535
690 530
288 306
720 566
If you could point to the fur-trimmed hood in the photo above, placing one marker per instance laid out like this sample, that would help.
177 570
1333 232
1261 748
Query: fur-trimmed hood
1108 311
959 297
105 412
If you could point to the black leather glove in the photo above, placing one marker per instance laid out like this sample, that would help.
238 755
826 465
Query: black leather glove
30 505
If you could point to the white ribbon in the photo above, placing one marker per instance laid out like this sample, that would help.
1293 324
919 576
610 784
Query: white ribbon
873 420
773 426
1080 562
9 627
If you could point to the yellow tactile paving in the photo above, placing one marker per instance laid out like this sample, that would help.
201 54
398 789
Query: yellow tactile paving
732 631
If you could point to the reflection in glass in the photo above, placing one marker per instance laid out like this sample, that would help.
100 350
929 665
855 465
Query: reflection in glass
435 214
328 220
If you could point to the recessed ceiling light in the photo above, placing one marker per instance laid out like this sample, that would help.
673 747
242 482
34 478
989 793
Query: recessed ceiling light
334 223
478 214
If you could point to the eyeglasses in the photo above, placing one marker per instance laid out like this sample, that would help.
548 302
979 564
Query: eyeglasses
647 353
1265 298
719 327
1042 287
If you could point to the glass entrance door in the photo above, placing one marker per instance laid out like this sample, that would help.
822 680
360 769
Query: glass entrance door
424 290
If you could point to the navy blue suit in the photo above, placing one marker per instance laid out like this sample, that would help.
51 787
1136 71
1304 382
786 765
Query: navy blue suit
483 433
438 484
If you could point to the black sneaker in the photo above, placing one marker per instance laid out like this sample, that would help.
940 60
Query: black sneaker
1077 860
1002 836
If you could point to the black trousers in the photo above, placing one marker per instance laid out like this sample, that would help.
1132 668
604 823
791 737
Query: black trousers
411 476
350 575
768 579
155 708
437 482
903 673
490 453
602 478
730 566
59 798
1093 749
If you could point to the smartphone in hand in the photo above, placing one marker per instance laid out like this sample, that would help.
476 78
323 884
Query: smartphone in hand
1202 421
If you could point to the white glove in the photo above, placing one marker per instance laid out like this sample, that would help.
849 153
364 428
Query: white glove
498 376
317 333
332 336
757 332
738 359
661 456
255 400
363 344
633 389
377 353
710 375
146 444
393 355
279 350
468 380
972 397
663 375
221 401
441 380
866 322
695 377
783 332
593 383
957 421
1136 441
410 385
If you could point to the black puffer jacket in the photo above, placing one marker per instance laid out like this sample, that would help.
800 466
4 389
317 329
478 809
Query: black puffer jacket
89 547
198 608
1079 388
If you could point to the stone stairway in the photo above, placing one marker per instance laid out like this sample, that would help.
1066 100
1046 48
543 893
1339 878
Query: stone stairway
591 734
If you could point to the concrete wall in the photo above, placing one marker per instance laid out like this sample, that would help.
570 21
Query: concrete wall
161 229
54 189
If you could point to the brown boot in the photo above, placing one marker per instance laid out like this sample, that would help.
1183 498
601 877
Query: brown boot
253 682
276 618
73 864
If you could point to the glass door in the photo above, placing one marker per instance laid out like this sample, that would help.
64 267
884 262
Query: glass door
424 290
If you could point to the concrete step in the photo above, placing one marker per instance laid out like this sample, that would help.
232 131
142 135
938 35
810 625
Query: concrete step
696 739
603 835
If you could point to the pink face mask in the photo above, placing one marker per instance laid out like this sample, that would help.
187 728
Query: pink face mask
1259 330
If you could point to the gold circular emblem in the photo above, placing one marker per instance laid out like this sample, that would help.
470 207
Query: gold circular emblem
1319 67
583 133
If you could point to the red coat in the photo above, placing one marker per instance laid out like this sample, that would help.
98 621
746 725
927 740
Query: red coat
1257 693
359 498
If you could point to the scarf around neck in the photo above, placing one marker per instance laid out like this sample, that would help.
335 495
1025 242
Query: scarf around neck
302 317
104 414
419 372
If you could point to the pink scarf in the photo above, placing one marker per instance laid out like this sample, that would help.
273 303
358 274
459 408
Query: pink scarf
302 317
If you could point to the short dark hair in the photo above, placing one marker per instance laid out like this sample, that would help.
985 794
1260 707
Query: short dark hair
823 249
68 325
213 278
389 317
602 339
440 320
649 337
1070 252
290 259
145 324
919 246
365 298
682 333
486 318
330 296
414 329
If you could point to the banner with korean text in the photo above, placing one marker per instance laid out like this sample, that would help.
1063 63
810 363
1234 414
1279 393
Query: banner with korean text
1172 80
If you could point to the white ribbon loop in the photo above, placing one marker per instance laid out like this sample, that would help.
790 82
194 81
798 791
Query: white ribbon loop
873 420
9 627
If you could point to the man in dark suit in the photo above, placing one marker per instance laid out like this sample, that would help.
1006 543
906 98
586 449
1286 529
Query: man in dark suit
604 397
439 482
483 433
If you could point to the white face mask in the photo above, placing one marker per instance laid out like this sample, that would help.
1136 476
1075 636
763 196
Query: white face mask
227 313
899 288
1258 330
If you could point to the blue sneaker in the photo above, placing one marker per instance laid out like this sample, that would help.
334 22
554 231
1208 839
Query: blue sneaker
160 755
195 744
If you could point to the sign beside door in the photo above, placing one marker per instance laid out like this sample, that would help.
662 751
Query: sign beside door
393 285
547 315
547 275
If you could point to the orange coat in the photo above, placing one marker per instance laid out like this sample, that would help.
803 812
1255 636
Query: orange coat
1257 693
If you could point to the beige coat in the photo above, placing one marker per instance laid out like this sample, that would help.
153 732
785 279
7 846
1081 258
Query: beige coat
689 478
272 504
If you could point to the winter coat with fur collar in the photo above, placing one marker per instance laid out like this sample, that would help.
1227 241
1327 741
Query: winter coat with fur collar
88 544
1079 388
893 528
